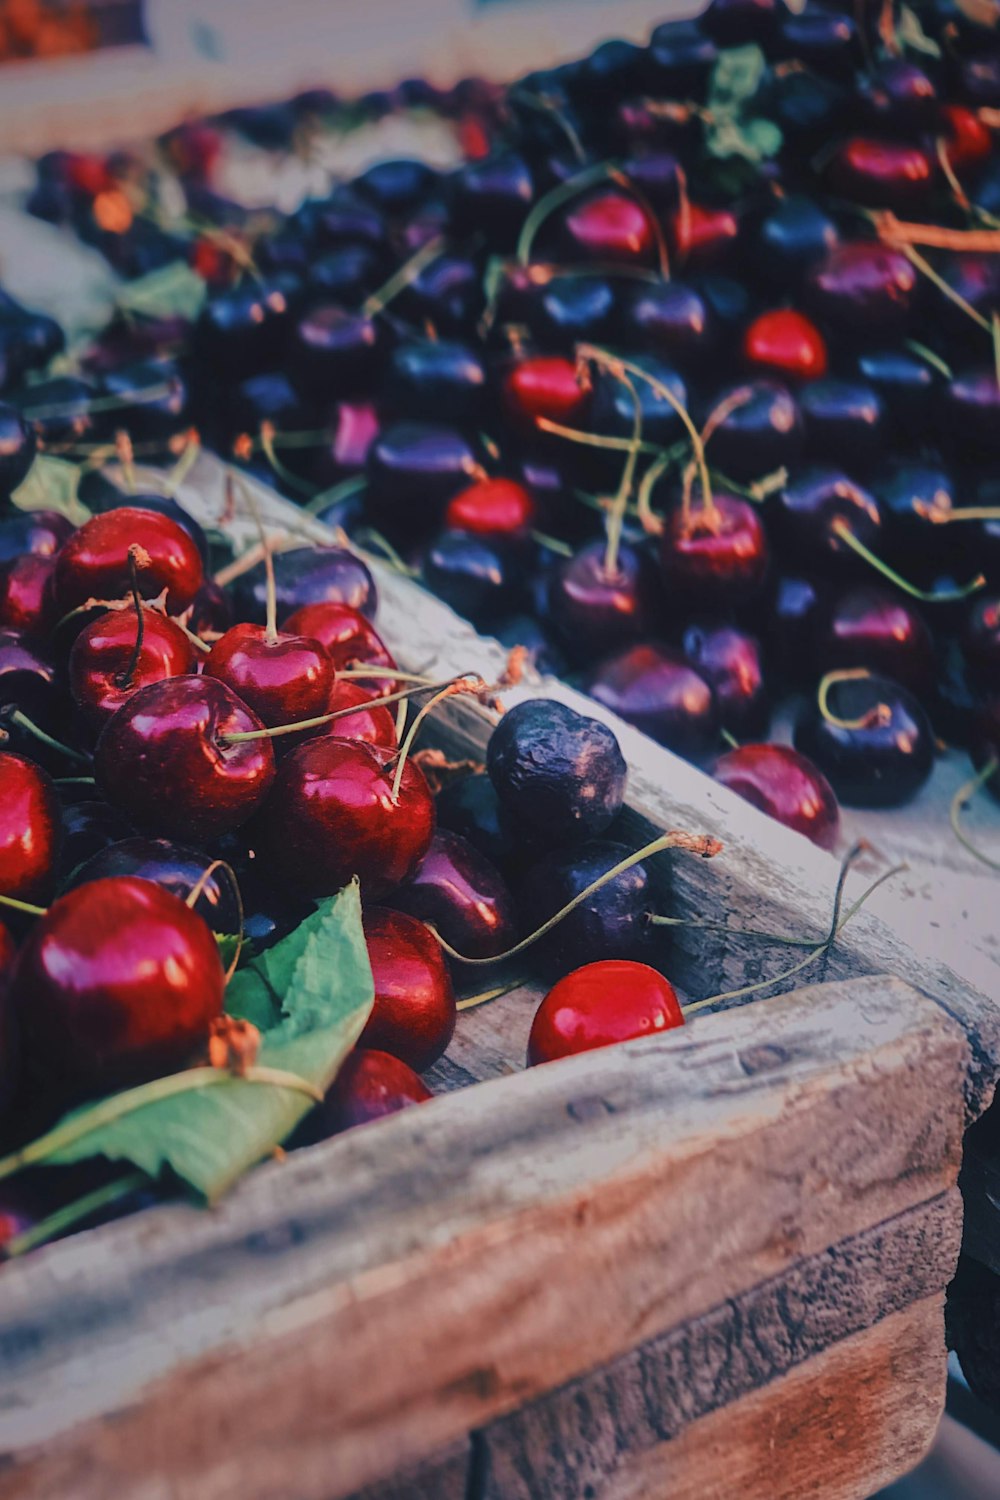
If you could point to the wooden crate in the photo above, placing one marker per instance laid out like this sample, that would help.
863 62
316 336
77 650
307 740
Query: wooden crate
711 1263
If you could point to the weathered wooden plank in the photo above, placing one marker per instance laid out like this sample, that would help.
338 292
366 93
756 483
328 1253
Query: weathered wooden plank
572 1444
444 1477
382 1294
840 1427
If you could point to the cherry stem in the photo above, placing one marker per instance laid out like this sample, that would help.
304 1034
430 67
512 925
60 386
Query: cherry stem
27 907
650 522
124 679
729 739
930 357
872 716
185 463
942 596
836 927
250 558
372 672
463 685
546 106
619 504
655 920
629 187
472 1002
961 799
552 543
723 411
401 279
74 1213
196 892
370 536
615 364
547 205
243 736
99 403
693 843
342 491
15 716
300 486
926 269
592 439
126 459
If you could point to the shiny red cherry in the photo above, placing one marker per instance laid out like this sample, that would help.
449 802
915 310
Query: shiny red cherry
369 1086
702 235
350 640
94 562
26 601
414 1013
104 670
372 723
547 385
876 628
714 558
491 507
118 982
882 173
610 226
29 829
282 678
164 759
967 140
786 786
610 1001
785 343
332 816
463 895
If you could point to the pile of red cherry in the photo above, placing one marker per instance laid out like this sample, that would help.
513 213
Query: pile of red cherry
689 385
163 795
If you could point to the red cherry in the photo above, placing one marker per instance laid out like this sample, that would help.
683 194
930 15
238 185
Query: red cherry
611 226
785 785
88 174
331 815
466 898
547 386
26 601
282 680
8 952
414 1014
165 761
94 563
703 234
348 638
30 826
714 558
355 427
117 983
785 343
372 723
882 173
100 678
369 1086
610 1001
966 139
213 262
492 507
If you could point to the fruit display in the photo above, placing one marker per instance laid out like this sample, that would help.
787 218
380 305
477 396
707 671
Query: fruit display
682 384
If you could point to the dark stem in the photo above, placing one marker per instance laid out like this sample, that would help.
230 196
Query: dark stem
124 679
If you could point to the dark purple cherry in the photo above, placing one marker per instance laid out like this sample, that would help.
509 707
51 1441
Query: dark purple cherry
897 95
657 175
862 292
671 320
346 275
593 609
613 409
876 628
613 68
334 352
611 923
396 186
344 219
307 575
173 866
480 576
824 41
17 449
979 81
459 892
152 401
785 785
564 310
916 498
971 416
795 236
809 514
447 293
470 806
790 614
760 434
559 774
734 23
658 691
806 107
730 660
241 332
414 469
87 828
880 753
980 639
908 386
842 417
38 533
679 60
430 377
492 197
713 558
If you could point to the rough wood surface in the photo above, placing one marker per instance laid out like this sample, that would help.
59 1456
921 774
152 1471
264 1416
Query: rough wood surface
445 1477
380 1295
573 1444
839 1428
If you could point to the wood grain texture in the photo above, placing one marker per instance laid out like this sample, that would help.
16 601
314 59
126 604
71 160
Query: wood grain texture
377 1297
571 1445
852 1420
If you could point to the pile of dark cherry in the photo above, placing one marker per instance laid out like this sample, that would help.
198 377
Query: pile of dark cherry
134 757
848 401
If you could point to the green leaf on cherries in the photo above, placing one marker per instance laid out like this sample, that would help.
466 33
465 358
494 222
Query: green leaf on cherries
730 131
310 996
171 291
912 34
51 484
